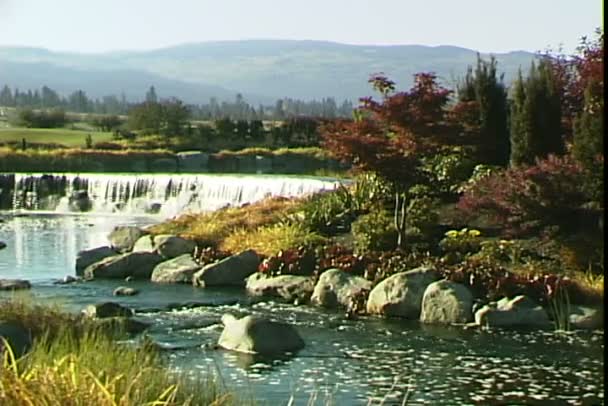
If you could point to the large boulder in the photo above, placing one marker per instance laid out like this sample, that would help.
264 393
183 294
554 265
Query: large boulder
581 317
138 265
88 257
176 270
516 312
17 336
14 284
107 309
166 245
287 287
171 246
446 302
256 335
230 271
400 295
144 244
336 288
123 238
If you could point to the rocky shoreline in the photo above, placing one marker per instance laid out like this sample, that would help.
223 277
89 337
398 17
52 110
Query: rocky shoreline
416 294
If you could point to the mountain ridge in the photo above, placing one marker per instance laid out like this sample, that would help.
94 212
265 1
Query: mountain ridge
261 69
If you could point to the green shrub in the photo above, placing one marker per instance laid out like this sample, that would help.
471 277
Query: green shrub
422 213
449 171
374 231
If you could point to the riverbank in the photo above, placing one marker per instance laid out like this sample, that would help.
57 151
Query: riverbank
359 360
253 160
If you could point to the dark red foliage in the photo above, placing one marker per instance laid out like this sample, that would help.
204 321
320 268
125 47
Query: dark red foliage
530 199
390 135
576 73
295 261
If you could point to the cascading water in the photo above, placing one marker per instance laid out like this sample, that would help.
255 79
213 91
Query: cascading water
165 195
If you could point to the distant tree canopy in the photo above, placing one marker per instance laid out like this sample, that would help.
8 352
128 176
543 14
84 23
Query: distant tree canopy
239 109
169 117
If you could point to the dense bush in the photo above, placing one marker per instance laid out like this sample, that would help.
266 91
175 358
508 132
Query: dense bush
448 171
374 231
531 199
41 119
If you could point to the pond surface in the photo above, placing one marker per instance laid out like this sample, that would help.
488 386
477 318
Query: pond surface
348 362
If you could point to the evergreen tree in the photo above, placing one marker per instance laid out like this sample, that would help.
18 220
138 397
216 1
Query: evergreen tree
151 96
487 90
6 97
536 129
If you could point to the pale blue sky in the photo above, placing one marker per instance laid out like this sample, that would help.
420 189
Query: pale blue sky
483 25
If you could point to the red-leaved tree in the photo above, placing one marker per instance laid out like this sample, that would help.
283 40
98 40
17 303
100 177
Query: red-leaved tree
389 136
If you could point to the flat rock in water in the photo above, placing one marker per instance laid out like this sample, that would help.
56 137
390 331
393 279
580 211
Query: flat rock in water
90 256
176 270
139 265
231 271
107 309
257 335
520 311
589 318
14 284
125 291
286 287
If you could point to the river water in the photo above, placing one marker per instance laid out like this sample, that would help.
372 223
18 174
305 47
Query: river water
345 362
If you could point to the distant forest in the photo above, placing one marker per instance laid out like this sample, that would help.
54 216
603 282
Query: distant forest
239 109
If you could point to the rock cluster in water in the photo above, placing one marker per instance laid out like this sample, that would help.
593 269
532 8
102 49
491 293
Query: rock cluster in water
417 294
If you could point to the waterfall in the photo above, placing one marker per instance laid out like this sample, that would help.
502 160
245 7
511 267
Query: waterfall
164 194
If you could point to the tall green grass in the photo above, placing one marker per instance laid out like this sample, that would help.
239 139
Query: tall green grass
75 363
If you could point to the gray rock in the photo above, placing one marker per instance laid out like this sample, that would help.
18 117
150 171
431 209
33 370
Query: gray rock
286 287
125 291
139 265
176 270
400 295
446 302
88 257
336 288
123 238
166 245
519 311
144 244
66 280
588 318
17 336
230 271
256 335
171 246
107 309
14 284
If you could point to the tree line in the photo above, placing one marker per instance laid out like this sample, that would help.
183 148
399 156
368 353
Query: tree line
238 109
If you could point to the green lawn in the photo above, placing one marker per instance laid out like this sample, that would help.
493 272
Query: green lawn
64 136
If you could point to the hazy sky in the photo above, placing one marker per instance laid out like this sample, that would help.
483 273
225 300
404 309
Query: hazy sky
483 25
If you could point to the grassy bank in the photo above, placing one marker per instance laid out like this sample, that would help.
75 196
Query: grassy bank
72 362
61 137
